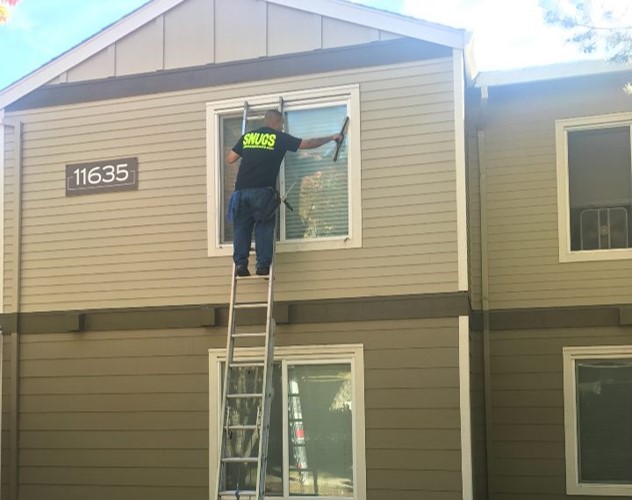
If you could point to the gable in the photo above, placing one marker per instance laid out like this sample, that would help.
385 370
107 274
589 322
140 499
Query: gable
201 32
167 35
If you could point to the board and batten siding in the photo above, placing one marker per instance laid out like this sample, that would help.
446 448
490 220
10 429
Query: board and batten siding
521 199
125 414
201 32
528 409
149 247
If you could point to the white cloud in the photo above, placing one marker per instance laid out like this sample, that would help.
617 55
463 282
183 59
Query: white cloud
508 34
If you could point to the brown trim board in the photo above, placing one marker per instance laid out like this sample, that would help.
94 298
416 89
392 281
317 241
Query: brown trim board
212 75
557 317
445 305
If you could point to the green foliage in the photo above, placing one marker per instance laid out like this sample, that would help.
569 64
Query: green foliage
598 27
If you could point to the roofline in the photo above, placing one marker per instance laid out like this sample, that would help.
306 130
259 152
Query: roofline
337 9
346 10
488 79
86 49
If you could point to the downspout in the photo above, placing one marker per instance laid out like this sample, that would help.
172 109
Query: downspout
485 286
15 337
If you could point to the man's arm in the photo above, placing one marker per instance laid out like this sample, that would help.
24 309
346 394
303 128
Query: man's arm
232 157
319 141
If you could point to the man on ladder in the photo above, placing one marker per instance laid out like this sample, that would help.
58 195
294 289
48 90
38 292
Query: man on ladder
255 200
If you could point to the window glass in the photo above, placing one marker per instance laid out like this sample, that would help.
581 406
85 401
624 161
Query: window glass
604 416
319 430
246 442
600 188
318 187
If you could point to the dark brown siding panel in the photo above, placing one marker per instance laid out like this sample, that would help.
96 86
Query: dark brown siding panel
527 418
124 414
477 394
6 415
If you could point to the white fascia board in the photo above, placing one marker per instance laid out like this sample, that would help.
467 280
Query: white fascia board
85 50
549 72
2 124
382 20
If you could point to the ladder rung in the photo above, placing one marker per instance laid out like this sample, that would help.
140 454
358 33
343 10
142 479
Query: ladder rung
244 395
240 460
249 364
251 305
242 427
233 493
246 335
253 277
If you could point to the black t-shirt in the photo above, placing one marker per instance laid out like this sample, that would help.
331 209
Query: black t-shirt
262 152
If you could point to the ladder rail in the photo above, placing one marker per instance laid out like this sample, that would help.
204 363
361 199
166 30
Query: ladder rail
230 344
267 377
262 399
221 471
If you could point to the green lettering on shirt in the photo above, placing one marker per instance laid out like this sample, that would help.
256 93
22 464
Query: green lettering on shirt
257 140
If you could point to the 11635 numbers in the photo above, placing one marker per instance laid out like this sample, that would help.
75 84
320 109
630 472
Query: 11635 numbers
98 177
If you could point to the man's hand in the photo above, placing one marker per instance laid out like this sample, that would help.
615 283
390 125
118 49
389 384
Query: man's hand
318 142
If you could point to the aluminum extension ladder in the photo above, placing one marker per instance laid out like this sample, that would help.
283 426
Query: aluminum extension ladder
247 389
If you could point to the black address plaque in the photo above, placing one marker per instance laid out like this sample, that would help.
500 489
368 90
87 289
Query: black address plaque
102 176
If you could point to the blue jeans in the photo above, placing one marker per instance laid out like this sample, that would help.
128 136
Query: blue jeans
253 211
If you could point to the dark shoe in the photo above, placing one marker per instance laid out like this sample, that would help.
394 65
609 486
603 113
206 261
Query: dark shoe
242 271
263 271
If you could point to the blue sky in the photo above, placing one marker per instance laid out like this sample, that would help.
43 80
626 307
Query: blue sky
40 30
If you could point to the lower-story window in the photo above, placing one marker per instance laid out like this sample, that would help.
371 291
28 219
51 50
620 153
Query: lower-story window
598 425
316 443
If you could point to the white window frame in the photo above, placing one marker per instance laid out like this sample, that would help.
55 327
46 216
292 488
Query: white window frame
570 356
349 95
353 354
562 127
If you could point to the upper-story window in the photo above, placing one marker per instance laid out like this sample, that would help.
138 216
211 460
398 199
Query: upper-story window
595 187
324 194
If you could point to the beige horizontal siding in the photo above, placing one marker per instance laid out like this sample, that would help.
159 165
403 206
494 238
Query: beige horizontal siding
520 163
149 247
126 413
527 419
9 214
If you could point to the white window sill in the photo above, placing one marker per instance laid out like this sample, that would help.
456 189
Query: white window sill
596 255
307 246
618 490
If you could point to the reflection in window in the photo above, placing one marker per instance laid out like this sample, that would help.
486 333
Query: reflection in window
319 431
320 185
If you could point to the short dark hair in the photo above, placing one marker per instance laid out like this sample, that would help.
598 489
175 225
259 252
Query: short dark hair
273 114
